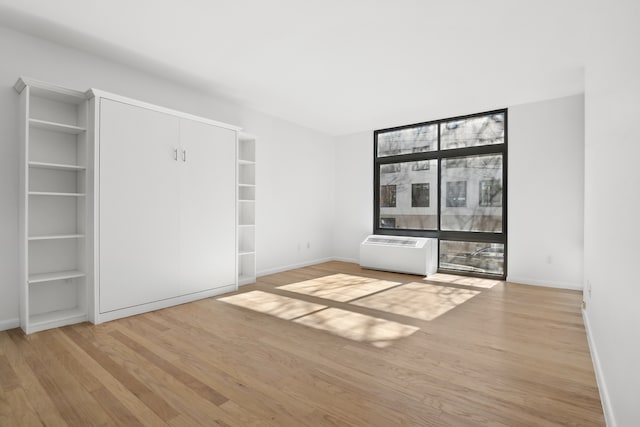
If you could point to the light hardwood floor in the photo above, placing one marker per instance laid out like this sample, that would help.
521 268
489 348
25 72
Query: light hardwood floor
330 344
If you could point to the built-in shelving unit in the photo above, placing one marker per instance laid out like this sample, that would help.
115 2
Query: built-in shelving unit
53 209
246 208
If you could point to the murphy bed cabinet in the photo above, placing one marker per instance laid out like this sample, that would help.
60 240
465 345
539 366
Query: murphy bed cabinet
53 221
165 211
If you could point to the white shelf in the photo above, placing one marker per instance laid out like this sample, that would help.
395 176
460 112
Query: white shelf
57 236
58 275
53 222
49 193
56 127
55 318
56 166
246 260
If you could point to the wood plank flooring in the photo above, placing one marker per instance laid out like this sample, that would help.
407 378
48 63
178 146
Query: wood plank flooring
327 345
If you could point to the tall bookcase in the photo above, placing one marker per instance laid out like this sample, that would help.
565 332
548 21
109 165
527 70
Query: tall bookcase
246 208
53 208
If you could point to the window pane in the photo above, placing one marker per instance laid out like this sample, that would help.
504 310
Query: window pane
419 139
405 195
472 194
487 258
471 132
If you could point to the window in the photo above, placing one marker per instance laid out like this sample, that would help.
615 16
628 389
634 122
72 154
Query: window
463 160
388 196
459 162
477 217
456 194
420 166
490 192
398 198
392 168
388 222
483 258
420 195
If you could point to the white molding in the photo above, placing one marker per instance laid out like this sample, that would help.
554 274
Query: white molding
597 367
546 283
9 324
292 266
97 93
144 308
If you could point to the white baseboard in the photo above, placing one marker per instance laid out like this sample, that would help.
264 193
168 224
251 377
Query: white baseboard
351 260
292 266
9 324
602 385
546 283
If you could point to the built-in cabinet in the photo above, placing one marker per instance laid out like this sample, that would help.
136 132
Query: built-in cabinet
53 225
127 207
166 208
246 208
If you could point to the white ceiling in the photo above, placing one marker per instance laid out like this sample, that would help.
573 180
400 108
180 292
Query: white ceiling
338 66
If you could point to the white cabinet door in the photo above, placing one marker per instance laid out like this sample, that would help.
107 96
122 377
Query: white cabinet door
207 206
138 206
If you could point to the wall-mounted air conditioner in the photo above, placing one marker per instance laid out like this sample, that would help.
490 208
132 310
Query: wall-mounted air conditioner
413 255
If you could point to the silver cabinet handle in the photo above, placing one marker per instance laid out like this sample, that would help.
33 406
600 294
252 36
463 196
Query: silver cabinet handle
175 154
184 155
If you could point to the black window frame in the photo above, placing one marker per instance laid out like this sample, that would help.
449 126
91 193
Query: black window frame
440 155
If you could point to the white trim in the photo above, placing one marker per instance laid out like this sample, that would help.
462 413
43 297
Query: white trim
546 283
144 308
292 266
97 93
9 324
597 367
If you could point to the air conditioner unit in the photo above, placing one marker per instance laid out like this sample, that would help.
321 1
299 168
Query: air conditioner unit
413 255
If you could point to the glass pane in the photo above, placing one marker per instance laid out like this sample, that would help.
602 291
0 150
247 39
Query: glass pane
471 132
487 258
408 195
472 194
419 139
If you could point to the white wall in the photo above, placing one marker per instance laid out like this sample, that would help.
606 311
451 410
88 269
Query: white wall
545 217
354 194
612 207
289 211
546 193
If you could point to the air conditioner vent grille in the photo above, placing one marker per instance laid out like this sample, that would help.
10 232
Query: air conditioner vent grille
407 243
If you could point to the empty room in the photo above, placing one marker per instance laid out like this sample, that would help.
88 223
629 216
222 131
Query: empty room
319 213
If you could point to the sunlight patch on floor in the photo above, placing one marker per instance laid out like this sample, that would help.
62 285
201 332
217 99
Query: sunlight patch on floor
339 287
418 300
275 305
358 327
463 280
